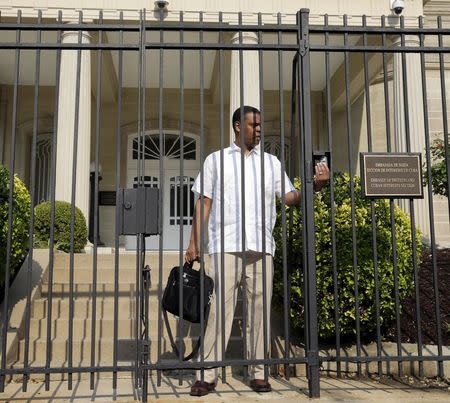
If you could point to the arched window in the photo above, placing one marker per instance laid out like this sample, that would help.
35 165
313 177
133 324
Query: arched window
171 147
43 168
272 145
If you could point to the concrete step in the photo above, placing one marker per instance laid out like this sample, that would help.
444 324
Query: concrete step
104 288
85 290
104 305
83 275
82 308
127 260
36 377
81 328
105 328
104 348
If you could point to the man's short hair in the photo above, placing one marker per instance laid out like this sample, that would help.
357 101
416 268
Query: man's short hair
245 109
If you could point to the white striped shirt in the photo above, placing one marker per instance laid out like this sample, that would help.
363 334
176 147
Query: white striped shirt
233 218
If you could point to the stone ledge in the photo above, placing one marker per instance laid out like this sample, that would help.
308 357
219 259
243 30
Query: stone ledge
388 349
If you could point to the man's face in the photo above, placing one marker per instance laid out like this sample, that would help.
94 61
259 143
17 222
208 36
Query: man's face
251 130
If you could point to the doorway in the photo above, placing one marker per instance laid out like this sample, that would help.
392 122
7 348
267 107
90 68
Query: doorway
178 199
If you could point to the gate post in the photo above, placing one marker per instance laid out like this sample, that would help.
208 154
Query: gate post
306 163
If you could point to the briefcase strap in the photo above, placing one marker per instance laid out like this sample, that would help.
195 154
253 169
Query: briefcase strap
172 341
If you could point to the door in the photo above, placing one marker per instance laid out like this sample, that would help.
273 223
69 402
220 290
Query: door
178 199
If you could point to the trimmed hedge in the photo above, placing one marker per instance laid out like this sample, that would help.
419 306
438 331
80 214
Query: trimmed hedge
62 227
438 169
345 270
20 222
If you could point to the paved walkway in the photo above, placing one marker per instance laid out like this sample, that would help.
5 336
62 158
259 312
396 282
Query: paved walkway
332 390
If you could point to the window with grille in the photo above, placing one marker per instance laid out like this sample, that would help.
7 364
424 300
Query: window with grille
43 169
171 147
148 181
272 145
181 209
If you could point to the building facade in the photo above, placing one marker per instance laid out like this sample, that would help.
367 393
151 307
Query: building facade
174 88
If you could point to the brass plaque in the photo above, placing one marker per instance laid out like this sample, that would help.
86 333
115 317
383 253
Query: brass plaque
391 175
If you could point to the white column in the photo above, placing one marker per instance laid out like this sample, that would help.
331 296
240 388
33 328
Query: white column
66 125
416 122
250 75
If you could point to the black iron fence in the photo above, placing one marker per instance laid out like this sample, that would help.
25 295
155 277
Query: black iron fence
342 64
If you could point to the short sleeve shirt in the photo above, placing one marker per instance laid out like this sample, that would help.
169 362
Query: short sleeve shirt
255 227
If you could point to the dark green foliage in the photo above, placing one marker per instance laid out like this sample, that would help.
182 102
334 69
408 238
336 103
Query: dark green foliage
439 179
20 222
62 227
345 269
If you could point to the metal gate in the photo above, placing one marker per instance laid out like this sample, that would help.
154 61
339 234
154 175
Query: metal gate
293 41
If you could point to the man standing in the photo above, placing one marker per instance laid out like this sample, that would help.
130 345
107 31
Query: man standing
238 251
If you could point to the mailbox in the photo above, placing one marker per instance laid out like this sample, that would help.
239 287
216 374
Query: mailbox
138 211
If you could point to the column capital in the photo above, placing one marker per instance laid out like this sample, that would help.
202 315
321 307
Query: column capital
410 40
72 36
247 37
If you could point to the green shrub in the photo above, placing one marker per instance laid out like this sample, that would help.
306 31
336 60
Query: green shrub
345 270
439 179
62 227
20 222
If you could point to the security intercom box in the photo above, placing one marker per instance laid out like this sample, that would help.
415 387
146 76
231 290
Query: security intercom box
138 211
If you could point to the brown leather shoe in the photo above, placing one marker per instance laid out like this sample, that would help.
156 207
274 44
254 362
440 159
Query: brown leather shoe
200 388
260 385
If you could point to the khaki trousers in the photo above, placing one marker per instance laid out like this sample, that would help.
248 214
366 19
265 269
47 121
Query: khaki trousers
233 275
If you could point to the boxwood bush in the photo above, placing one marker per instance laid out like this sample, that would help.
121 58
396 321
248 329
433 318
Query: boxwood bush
20 222
439 179
345 270
62 227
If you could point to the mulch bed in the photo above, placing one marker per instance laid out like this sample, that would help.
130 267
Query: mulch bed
427 303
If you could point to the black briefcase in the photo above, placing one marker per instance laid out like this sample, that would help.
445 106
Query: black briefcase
191 293
192 306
